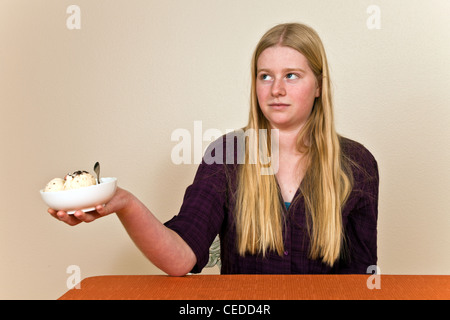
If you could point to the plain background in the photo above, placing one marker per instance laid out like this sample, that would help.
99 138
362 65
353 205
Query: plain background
115 90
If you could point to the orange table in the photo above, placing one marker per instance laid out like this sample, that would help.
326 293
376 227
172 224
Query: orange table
262 287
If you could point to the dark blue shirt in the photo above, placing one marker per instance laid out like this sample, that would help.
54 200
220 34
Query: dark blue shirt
207 210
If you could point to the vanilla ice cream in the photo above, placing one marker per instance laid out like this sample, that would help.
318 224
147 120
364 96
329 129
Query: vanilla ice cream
54 185
79 179
76 180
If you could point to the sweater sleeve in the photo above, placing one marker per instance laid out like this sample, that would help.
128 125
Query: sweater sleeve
361 219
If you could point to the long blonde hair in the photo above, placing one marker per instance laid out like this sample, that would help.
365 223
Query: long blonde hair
327 181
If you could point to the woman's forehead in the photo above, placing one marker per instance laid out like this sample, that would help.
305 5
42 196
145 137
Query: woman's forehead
281 57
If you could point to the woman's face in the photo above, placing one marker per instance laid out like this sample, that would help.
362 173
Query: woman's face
286 87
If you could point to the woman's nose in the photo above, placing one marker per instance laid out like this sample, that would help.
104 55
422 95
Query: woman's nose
278 88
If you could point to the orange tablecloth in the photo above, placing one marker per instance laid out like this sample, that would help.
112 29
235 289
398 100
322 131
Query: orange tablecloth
261 287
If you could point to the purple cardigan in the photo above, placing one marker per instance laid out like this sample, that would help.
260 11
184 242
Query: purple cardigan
207 210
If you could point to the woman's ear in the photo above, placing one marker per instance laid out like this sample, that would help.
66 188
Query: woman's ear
319 86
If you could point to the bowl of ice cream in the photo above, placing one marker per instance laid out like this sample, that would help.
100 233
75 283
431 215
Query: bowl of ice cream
78 191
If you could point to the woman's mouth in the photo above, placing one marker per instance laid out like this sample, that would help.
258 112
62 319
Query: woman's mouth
278 106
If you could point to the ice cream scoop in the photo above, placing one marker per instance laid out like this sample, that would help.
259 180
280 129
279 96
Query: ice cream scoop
75 180
79 179
54 185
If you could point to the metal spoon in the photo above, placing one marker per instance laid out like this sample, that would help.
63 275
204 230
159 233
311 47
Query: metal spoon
97 171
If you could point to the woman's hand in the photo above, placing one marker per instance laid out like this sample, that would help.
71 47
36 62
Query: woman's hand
118 202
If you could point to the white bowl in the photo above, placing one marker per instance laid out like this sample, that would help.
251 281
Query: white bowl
84 199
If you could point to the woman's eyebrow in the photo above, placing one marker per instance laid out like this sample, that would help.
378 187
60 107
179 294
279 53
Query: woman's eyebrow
284 70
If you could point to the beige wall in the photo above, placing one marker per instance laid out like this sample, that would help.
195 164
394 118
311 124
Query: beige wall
114 91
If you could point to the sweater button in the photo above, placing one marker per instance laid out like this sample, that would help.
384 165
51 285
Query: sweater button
286 253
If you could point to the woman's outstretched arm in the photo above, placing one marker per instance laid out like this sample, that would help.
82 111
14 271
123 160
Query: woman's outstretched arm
161 245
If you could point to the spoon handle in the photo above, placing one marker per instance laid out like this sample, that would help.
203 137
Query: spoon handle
97 171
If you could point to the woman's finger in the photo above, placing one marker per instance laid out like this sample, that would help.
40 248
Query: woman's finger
52 212
64 217
86 216
102 210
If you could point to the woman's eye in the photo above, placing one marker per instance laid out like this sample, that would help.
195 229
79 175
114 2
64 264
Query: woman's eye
265 77
292 76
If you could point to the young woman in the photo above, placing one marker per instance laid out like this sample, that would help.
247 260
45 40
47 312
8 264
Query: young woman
316 213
